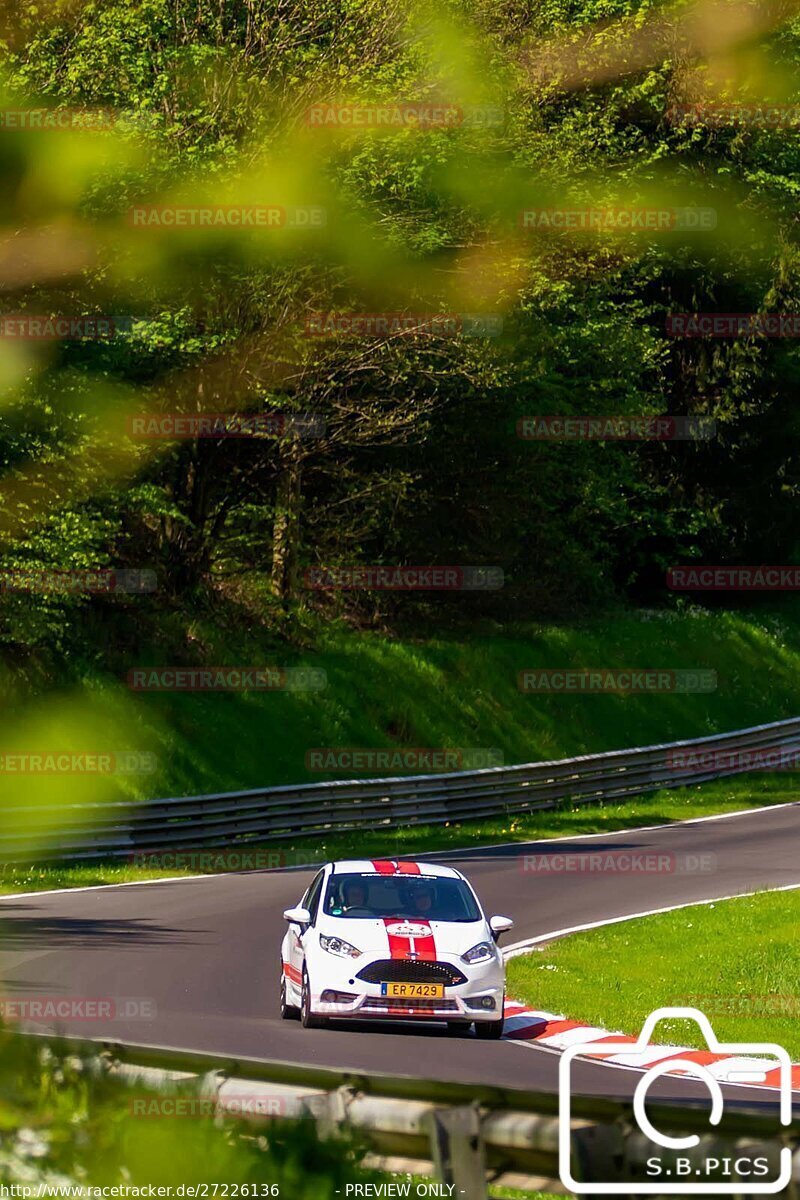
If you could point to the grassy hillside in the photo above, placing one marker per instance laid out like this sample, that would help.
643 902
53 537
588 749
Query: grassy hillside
448 691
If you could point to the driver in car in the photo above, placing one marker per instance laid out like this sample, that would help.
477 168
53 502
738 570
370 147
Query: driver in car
422 899
354 895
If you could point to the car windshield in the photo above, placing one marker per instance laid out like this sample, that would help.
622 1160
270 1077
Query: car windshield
424 897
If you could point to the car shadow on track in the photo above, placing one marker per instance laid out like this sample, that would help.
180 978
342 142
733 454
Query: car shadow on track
61 933
405 1028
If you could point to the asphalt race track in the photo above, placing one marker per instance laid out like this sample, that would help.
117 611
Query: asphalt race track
204 953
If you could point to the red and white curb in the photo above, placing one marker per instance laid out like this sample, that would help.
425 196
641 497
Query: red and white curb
528 1025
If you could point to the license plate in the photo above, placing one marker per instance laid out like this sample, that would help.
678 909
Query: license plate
413 991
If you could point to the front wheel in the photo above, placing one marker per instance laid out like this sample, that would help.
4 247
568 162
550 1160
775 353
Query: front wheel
489 1030
289 1012
307 1018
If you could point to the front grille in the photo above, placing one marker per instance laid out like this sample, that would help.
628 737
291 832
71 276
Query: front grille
394 1003
409 970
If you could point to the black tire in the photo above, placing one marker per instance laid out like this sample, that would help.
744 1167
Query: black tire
307 1018
489 1030
289 1012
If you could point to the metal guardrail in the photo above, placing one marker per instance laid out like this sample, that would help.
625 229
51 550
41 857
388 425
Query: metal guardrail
468 1135
120 829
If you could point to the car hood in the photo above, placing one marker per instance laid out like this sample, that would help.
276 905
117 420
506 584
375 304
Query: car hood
395 937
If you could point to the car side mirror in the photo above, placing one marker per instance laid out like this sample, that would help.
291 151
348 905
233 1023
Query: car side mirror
297 916
500 925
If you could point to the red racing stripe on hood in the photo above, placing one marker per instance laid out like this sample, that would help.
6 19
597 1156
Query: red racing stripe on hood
407 938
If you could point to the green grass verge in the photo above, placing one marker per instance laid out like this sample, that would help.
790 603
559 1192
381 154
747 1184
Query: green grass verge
660 807
738 961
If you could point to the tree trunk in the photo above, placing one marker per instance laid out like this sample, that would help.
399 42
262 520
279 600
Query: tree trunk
286 528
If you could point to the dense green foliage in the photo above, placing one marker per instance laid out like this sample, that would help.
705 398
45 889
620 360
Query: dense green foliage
64 1121
420 462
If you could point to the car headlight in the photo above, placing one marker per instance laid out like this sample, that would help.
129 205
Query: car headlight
336 945
480 953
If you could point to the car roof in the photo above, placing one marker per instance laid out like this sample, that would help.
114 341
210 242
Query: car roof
392 866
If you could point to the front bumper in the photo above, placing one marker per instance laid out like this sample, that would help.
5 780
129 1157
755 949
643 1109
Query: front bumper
465 1001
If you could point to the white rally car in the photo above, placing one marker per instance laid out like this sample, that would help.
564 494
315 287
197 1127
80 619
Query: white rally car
397 940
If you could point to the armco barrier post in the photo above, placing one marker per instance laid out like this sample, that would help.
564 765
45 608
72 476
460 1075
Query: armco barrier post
457 1150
